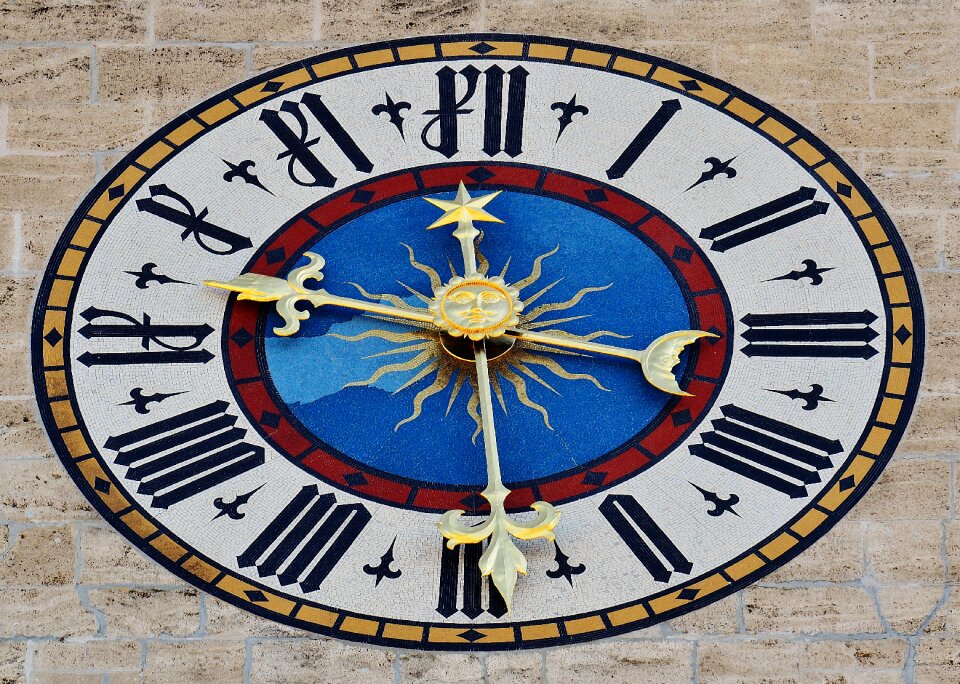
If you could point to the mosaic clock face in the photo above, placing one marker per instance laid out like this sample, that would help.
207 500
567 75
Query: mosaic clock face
293 449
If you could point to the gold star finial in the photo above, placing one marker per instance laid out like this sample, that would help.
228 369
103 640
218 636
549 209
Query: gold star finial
463 207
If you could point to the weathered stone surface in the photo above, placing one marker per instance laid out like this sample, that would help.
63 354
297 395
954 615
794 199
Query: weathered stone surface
246 20
39 235
810 610
621 662
905 608
148 612
210 662
368 20
769 661
93 20
905 551
908 489
39 490
108 558
862 661
717 618
229 622
20 434
12 662
804 70
843 21
43 184
938 661
925 68
40 555
921 231
932 429
445 668
940 374
887 124
738 21
270 56
514 668
14 366
837 557
914 179
605 21
42 611
178 74
101 655
318 661
74 128
939 291
44 74
16 297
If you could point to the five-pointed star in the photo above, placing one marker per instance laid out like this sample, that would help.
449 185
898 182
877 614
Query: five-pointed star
463 207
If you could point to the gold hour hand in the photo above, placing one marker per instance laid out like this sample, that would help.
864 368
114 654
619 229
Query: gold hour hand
657 360
288 292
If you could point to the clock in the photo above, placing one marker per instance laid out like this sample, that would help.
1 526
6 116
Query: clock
477 342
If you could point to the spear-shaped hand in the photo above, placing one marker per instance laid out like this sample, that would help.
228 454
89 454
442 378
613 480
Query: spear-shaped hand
501 560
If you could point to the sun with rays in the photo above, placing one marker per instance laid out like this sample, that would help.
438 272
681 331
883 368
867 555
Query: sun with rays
513 362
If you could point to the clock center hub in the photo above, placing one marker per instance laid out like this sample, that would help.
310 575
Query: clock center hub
476 307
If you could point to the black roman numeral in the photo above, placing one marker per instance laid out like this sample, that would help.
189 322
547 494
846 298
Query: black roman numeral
176 458
768 451
469 587
209 236
178 343
298 144
840 334
500 134
643 139
328 528
759 221
646 539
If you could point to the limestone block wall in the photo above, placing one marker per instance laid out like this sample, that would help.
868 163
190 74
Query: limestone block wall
877 601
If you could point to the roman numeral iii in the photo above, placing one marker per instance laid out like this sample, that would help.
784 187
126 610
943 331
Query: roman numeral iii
468 587
832 334
179 457
775 454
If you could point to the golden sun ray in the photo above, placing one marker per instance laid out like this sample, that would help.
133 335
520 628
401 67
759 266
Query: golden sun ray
514 369
562 306
535 273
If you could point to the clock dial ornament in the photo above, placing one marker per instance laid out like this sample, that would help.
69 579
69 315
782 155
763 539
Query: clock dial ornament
290 446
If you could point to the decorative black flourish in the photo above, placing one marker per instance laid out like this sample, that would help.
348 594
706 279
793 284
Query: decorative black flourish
809 270
717 168
383 570
141 402
232 509
392 109
147 275
243 172
810 399
567 110
720 505
564 569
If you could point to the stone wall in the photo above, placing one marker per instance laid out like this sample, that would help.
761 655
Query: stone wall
874 601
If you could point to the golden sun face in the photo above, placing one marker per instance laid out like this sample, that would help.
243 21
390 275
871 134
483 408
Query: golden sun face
522 362
477 307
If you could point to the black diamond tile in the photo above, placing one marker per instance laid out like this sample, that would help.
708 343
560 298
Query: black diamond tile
241 337
276 255
715 331
688 594
471 635
596 195
681 418
844 189
690 85
355 479
53 337
270 419
480 174
594 479
255 595
682 254
903 334
362 196
473 501
847 483
483 48
271 86
101 485
116 192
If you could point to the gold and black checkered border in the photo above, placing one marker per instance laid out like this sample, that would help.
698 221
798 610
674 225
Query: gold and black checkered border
904 313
